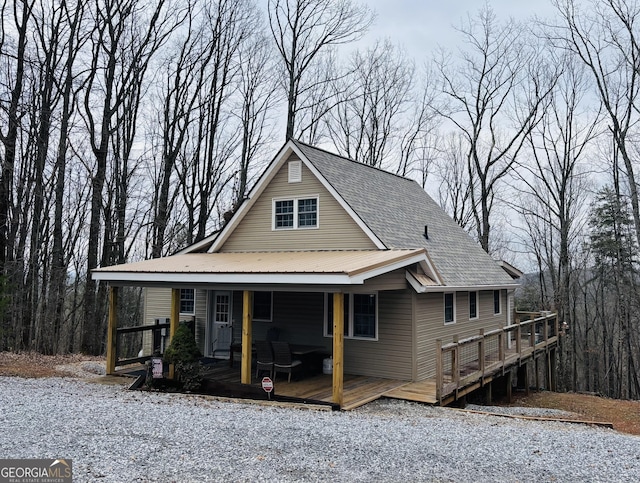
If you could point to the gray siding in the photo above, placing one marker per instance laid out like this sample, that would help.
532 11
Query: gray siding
430 324
336 230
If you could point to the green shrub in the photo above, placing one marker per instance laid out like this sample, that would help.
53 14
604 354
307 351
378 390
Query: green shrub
183 347
184 354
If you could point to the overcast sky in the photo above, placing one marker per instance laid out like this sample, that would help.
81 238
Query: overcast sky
421 25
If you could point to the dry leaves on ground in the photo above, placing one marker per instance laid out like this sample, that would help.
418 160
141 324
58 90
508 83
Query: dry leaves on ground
32 364
625 415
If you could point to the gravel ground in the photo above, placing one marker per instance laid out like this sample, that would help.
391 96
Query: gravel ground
116 435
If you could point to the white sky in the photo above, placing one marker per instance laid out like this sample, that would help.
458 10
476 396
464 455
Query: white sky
421 25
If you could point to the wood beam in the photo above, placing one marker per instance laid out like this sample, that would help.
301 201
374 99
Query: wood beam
174 321
112 330
245 365
338 348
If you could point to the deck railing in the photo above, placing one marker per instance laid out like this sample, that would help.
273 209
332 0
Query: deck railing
129 340
466 361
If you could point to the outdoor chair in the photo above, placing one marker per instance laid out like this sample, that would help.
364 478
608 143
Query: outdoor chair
264 357
282 360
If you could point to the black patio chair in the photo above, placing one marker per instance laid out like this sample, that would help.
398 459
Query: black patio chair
282 360
264 357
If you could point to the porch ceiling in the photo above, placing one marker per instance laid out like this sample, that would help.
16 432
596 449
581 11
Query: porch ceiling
300 267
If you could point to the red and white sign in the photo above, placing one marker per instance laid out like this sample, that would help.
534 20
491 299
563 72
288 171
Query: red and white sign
267 384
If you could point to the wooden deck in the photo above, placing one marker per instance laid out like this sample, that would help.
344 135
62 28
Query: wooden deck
358 390
461 367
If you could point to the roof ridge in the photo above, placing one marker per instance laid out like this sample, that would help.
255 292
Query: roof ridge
326 151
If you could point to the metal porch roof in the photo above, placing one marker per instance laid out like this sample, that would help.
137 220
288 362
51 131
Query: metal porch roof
343 267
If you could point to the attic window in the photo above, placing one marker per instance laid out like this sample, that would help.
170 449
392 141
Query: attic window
295 171
295 213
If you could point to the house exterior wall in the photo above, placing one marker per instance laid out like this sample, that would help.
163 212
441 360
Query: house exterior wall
430 324
157 304
336 229
391 355
299 318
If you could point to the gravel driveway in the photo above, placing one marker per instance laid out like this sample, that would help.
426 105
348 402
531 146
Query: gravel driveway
116 435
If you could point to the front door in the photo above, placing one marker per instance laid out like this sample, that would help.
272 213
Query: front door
220 329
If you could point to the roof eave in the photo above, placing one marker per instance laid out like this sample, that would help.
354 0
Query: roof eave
228 278
419 288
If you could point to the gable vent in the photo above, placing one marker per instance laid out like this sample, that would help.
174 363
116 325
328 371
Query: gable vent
295 171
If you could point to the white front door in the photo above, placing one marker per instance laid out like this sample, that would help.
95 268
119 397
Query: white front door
220 330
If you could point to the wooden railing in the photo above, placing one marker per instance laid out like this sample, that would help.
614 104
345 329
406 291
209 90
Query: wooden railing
466 361
127 351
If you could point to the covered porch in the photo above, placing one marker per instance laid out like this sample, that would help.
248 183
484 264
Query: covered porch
330 276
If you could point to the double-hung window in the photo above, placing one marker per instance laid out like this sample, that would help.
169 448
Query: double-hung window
187 301
497 306
450 308
283 214
263 306
473 305
295 213
360 316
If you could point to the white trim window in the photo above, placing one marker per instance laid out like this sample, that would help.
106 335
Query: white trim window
262 306
473 305
295 213
449 299
187 301
497 302
360 315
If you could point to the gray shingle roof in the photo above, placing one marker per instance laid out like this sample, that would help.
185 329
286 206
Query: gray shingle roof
397 209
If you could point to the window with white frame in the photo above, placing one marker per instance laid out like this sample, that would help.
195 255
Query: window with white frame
263 306
360 315
294 213
473 305
187 301
449 308
497 305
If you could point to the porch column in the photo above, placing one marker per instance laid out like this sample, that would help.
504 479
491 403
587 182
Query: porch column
338 347
245 364
112 330
174 321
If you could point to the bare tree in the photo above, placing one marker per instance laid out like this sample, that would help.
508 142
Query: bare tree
184 71
454 191
605 38
303 30
206 169
494 93
368 122
125 36
14 61
258 96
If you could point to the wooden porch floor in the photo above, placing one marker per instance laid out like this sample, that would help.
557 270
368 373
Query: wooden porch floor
358 390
